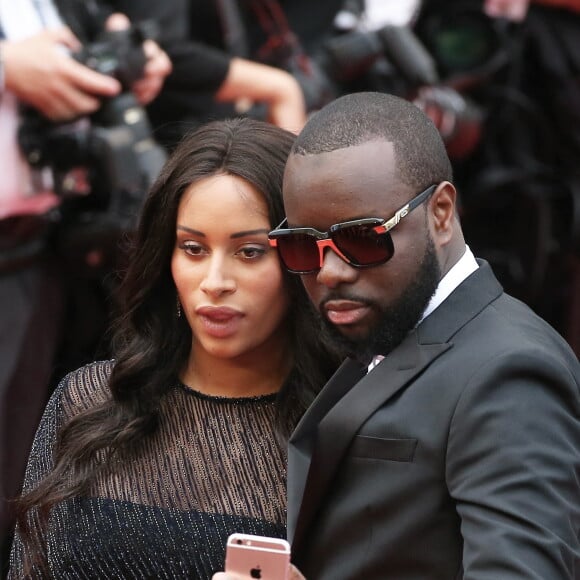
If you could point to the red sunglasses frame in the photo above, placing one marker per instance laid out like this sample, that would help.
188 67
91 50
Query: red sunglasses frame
324 239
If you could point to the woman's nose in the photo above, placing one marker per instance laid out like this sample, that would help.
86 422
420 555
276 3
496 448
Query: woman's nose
218 279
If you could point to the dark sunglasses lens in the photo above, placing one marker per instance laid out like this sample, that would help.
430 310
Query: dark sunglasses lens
363 246
299 252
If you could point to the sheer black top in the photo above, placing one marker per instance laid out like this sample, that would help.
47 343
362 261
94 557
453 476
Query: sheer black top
212 468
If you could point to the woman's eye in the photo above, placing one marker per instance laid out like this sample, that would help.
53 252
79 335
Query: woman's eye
192 248
252 252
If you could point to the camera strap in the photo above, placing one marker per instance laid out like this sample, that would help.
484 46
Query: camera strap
233 29
282 47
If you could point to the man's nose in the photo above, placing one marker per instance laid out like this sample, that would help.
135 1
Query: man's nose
334 270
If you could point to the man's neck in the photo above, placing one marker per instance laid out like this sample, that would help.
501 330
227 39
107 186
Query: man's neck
461 270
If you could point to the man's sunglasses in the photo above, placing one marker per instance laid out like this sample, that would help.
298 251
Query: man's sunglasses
361 243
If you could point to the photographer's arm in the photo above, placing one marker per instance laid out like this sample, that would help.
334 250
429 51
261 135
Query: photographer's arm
248 82
40 72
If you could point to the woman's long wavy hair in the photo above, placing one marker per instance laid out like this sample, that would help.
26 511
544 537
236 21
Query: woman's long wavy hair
150 343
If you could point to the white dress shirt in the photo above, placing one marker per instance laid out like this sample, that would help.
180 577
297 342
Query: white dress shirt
20 19
463 268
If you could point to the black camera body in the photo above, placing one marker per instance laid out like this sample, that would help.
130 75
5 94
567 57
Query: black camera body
118 53
103 165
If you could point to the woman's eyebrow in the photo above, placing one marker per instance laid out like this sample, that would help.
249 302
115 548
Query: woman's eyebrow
233 236
190 231
250 233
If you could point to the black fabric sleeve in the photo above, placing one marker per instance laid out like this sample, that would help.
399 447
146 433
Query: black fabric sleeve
197 67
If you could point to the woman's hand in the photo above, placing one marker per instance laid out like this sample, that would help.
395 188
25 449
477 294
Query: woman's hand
294 575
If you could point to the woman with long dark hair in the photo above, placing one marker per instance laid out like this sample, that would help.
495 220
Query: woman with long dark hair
144 464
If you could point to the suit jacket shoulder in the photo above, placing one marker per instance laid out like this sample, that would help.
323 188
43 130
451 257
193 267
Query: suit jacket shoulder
464 440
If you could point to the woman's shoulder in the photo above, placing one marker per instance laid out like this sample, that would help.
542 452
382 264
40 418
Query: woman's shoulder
85 387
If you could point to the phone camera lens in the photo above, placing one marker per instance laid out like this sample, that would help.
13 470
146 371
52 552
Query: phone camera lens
239 542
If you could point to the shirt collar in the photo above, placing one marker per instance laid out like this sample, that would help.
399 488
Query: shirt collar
462 269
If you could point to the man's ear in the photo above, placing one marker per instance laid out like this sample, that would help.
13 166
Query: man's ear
442 213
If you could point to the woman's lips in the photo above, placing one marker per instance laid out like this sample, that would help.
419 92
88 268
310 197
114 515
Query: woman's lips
219 322
345 312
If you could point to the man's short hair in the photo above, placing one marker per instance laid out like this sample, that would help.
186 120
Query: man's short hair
420 154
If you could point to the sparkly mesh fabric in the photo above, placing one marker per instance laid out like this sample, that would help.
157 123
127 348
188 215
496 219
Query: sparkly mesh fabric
213 468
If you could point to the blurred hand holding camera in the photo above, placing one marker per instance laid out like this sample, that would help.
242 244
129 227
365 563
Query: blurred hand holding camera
515 10
97 147
41 71
157 65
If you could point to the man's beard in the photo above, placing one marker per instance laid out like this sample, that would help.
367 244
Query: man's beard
398 319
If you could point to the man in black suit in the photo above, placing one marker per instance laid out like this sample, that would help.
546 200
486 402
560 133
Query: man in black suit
448 444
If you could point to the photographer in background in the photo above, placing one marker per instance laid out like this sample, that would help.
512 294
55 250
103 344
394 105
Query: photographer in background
219 66
37 40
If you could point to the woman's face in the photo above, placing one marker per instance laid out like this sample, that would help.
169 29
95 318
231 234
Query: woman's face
228 279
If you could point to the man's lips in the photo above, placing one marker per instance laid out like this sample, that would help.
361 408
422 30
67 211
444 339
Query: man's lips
343 312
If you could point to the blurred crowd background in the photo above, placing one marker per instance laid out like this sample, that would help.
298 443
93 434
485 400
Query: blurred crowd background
500 79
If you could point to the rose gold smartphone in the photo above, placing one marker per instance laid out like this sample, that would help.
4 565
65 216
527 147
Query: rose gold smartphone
257 557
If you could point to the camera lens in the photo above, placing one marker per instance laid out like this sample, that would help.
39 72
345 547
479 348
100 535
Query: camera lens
464 45
461 39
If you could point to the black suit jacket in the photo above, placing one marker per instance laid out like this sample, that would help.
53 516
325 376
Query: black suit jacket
458 456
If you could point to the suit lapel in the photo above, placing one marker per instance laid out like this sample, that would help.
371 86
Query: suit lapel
302 440
341 423
340 383
328 427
